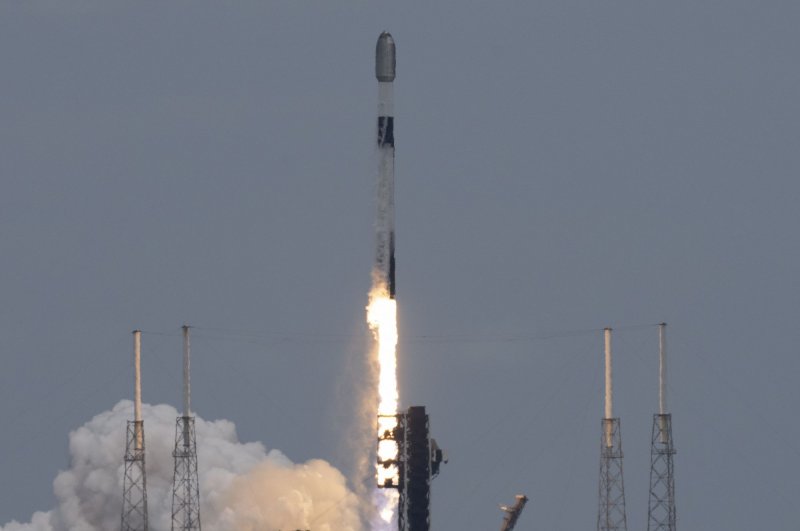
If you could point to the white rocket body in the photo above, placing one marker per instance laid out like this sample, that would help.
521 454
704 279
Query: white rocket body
385 63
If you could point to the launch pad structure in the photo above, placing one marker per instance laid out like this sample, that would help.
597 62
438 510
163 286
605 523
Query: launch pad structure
418 461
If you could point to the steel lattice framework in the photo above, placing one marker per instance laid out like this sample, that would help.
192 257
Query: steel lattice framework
134 487
611 510
418 461
185 483
661 510
399 461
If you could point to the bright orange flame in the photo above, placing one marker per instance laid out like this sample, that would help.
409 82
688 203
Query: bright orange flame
382 319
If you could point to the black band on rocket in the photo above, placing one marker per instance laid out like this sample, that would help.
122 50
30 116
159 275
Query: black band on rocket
392 286
386 131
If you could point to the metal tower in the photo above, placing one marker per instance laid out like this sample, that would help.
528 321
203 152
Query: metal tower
417 462
185 483
611 508
513 512
134 486
661 509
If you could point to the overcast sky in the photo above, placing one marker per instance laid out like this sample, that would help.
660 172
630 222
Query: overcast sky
561 166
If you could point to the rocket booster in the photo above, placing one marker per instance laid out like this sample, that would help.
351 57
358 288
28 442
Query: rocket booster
385 63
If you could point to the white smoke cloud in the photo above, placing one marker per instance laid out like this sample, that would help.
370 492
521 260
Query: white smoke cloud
242 486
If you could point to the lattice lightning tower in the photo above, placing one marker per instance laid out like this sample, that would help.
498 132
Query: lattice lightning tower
611 508
134 486
185 483
661 509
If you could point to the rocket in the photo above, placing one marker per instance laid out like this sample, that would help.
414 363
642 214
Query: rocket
385 63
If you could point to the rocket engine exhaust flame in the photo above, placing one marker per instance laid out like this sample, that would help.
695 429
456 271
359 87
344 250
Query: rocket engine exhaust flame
382 319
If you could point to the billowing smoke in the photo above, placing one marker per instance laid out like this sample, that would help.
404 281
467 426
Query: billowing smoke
243 487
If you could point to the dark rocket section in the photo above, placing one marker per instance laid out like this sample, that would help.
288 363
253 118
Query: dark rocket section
392 286
385 131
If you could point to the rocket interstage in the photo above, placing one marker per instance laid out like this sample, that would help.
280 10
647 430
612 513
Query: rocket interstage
385 68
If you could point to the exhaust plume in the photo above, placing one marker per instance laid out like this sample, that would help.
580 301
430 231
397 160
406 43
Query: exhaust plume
382 319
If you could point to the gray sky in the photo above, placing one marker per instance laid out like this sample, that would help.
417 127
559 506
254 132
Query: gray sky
562 166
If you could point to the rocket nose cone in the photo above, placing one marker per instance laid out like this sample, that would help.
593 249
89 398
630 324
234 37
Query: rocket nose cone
385 61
